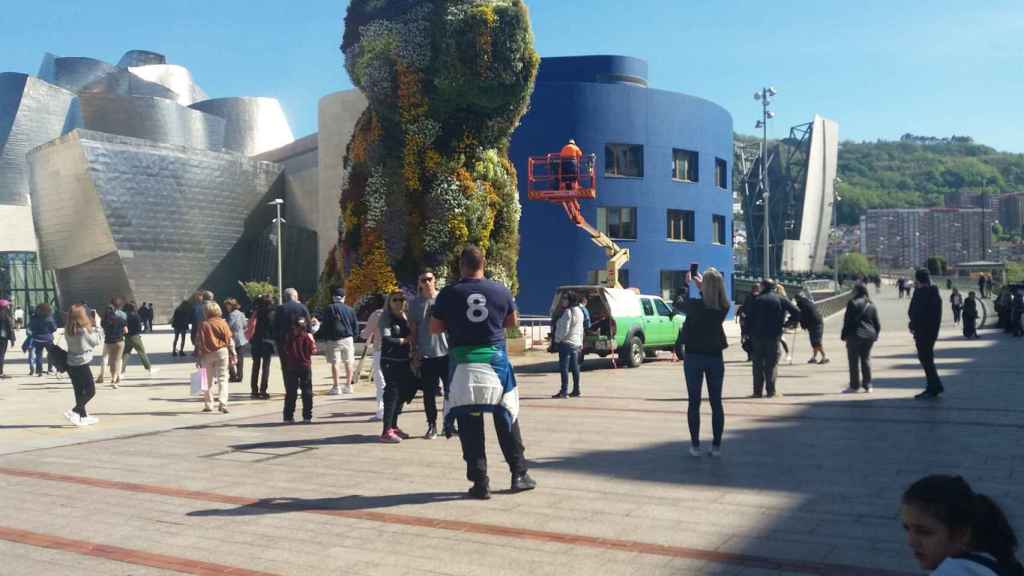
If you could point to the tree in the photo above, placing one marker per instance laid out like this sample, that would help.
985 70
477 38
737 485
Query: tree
936 265
855 264
255 288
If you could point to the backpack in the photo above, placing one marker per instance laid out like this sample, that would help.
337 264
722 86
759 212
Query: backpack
331 328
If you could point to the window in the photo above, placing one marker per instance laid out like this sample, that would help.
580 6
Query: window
624 160
684 165
601 277
721 174
717 229
680 225
648 307
619 223
662 308
672 283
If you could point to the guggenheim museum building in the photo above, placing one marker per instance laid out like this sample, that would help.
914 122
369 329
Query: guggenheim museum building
128 179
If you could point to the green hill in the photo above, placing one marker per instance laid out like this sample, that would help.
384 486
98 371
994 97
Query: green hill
918 171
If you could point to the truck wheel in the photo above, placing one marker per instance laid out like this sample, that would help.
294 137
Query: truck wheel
632 354
678 349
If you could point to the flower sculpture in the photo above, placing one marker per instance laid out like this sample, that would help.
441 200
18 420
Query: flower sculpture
427 168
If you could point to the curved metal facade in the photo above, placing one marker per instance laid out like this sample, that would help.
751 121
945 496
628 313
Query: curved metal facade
32 112
154 119
141 58
149 221
123 82
175 78
73 73
254 125
595 113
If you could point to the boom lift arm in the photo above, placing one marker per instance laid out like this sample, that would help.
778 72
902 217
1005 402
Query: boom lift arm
617 256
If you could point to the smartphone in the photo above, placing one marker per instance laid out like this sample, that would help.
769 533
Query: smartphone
694 267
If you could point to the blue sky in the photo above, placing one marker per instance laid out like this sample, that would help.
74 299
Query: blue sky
881 68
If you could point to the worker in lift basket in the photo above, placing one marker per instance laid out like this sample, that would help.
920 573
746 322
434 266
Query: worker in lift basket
570 158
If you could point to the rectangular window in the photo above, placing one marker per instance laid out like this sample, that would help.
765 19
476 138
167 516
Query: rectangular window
718 229
684 165
680 225
648 307
721 174
624 160
619 223
672 282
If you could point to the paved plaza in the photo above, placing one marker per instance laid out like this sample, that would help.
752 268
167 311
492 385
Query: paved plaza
809 483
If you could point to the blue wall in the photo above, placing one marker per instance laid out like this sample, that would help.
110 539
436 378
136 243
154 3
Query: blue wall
553 251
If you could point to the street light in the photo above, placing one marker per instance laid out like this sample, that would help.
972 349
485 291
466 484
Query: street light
835 249
277 203
763 96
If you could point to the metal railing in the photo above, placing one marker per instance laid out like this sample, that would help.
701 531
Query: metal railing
835 304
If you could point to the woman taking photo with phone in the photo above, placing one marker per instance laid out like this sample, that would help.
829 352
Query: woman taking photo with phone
82 337
703 341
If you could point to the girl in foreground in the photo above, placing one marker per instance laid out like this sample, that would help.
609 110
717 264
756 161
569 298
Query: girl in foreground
954 531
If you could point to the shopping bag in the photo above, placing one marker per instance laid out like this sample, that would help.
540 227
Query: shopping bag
199 383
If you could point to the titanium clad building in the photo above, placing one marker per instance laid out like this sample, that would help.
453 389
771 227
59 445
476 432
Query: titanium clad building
664 170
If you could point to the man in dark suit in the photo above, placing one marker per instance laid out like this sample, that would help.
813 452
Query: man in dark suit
766 315
925 317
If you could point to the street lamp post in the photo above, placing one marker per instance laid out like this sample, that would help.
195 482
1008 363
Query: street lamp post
763 96
277 203
835 223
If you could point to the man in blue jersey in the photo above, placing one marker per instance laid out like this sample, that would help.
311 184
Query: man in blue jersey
474 312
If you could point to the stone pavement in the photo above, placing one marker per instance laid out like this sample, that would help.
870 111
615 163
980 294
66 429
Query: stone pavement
809 483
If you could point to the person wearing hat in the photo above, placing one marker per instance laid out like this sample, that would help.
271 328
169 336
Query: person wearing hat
6 333
925 317
569 173
338 326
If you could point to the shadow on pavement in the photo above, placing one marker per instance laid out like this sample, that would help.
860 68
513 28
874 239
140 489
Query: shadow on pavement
341 503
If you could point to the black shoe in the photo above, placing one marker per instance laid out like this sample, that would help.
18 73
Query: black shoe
927 395
522 483
254 396
307 420
264 396
174 352
288 420
575 394
449 430
560 395
480 490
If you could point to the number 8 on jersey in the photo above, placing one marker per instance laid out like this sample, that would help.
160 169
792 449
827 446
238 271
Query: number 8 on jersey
477 311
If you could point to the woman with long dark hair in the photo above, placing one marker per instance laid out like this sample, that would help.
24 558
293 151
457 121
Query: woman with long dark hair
261 343
953 530
42 328
394 335
703 341
82 337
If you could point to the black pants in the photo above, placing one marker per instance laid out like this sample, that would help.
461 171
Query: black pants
926 355
3 354
970 327
295 380
261 354
434 376
858 353
84 385
956 314
471 435
1018 328
400 388
174 345
766 361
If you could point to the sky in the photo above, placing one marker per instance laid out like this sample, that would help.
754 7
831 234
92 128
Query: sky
880 68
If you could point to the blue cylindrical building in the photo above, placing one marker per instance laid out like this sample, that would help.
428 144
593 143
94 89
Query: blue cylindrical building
664 171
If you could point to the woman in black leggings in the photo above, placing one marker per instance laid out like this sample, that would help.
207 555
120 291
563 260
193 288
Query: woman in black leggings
394 362
82 337
262 347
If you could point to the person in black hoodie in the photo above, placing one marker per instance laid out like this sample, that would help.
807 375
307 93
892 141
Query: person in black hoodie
860 331
925 317
767 314
970 316
812 321
395 337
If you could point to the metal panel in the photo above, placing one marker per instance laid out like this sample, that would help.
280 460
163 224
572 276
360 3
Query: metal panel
173 77
819 189
123 82
171 215
254 125
338 113
73 73
153 119
32 112
141 58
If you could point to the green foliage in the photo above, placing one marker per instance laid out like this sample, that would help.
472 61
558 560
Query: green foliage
254 288
936 266
1015 271
855 264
